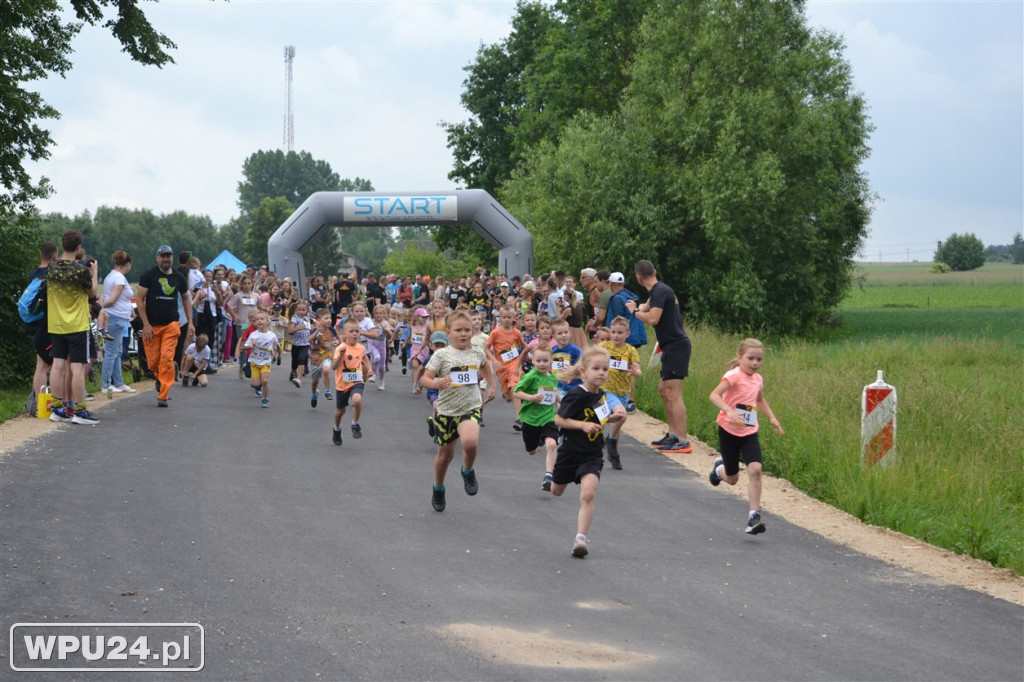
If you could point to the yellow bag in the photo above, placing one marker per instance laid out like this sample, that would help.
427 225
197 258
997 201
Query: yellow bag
43 405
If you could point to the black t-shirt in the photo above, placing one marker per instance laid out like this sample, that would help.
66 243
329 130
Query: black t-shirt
579 404
453 296
162 295
375 294
670 326
343 291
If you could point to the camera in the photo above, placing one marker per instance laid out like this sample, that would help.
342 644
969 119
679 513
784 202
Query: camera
87 261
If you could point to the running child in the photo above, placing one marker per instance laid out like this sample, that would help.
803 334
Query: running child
455 371
351 369
506 344
479 341
438 340
195 362
322 342
544 337
265 347
740 398
538 391
623 366
418 344
299 327
584 412
379 345
401 335
564 354
602 335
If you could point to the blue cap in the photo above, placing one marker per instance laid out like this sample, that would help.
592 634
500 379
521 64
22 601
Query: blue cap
164 248
439 337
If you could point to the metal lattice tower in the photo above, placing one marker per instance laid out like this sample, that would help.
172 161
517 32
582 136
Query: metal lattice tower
289 120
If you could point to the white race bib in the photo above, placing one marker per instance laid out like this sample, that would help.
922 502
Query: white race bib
510 355
353 377
465 376
603 411
748 413
549 395
621 365
248 300
559 364
417 339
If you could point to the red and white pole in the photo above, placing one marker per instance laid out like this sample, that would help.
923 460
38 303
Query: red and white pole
878 421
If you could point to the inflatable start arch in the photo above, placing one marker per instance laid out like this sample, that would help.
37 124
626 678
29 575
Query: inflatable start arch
327 210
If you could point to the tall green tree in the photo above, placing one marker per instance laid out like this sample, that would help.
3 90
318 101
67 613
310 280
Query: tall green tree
1017 248
263 222
961 252
35 42
20 245
734 165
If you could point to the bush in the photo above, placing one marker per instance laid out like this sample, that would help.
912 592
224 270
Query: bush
19 243
939 269
961 252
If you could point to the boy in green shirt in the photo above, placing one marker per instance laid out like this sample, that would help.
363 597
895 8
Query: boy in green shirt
538 389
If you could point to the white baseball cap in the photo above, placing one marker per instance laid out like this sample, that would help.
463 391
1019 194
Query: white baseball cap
617 278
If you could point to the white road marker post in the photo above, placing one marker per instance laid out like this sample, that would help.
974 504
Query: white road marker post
878 422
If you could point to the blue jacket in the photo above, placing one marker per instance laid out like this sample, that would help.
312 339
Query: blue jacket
616 307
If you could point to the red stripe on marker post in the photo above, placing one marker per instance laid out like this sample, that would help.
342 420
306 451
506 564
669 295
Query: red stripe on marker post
878 422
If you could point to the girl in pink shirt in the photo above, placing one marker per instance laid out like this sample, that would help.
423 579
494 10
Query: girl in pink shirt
740 399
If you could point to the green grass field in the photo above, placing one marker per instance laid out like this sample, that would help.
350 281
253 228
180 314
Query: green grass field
958 368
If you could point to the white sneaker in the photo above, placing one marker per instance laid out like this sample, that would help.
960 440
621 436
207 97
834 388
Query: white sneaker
125 389
113 389
380 386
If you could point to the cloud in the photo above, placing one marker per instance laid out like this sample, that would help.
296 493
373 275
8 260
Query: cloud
462 23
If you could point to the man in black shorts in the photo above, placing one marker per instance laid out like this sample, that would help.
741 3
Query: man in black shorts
662 312
69 284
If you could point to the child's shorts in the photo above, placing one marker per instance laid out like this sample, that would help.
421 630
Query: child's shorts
318 371
258 370
732 447
432 394
614 399
571 468
534 436
342 397
446 429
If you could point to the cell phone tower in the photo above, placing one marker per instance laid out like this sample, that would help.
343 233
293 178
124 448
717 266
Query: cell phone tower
289 120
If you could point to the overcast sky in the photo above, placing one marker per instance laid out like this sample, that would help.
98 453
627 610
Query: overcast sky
944 82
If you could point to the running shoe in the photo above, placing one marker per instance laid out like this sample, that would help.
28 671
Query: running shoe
546 483
437 501
90 396
85 417
661 441
184 381
124 388
337 437
160 402
630 407
195 382
469 481
372 379
265 402
430 427
517 425
713 477
258 392
676 445
612 446
357 431
296 383
579 547
241 371
380 386
754 524
327 394
59 414
106 335
403 370
114 389
312 399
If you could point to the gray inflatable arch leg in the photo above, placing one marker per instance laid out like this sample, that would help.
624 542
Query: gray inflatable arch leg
328 210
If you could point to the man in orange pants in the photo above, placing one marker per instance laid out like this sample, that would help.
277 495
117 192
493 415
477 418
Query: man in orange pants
160 288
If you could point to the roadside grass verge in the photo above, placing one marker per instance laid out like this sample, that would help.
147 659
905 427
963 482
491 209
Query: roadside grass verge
956 481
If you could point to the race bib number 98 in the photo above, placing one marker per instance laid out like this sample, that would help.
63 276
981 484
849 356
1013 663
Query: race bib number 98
465 376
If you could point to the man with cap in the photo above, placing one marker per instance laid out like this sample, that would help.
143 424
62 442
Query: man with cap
160 289
617 302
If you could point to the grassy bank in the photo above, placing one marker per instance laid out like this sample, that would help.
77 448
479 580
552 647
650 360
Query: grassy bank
957 480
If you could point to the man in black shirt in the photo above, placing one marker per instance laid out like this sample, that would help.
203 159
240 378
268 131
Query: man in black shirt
159 290
344 293
662 312
375 294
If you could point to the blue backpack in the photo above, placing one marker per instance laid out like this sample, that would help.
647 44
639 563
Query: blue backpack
32 304
637 329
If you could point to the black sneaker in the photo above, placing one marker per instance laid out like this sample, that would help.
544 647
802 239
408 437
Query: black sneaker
755 525
469 480
630 407
403 370
195 382
546 483
184 382
430 427
337 437
517 425
437 501
160 402
312 399
713 476
613 454
357 431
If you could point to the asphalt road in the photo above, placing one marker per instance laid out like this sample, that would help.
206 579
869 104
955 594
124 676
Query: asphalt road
303 560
